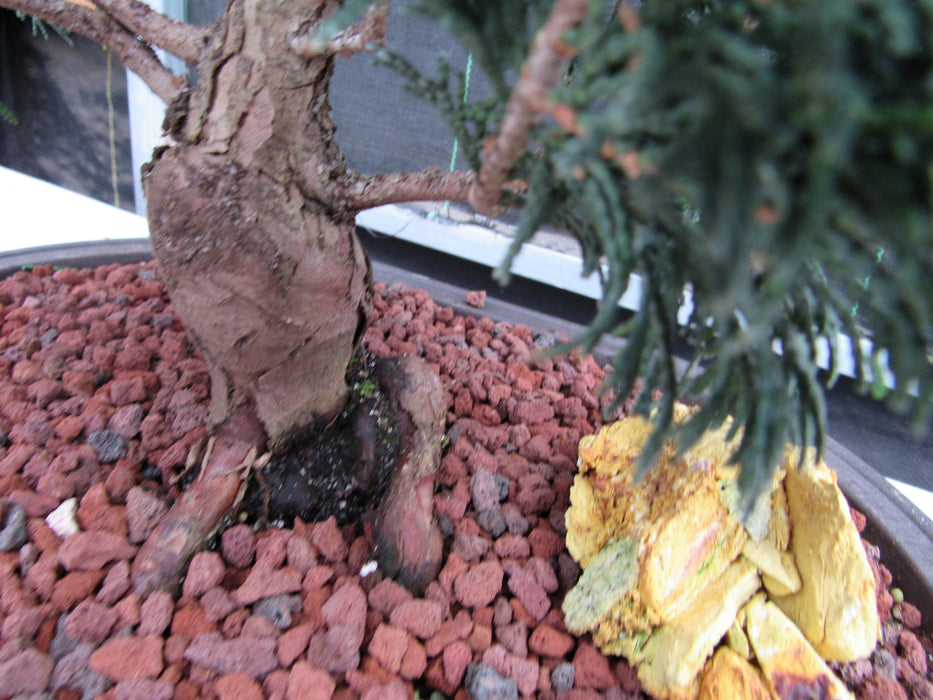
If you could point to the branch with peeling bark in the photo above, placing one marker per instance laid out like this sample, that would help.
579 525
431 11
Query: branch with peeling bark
93 21
180 39
540 74
429 185
353 40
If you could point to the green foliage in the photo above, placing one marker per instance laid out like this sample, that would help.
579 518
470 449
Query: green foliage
6 114
752 158
40 28
498 36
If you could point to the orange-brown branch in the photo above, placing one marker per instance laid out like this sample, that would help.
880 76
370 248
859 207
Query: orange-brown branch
540 74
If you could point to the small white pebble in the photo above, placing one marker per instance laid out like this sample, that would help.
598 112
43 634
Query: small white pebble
62 520
368 568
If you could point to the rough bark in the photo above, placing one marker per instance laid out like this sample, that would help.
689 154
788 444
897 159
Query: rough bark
259 254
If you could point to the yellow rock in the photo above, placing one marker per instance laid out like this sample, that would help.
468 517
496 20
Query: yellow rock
686 536
778 569
836 607
730 677
675 653
791 666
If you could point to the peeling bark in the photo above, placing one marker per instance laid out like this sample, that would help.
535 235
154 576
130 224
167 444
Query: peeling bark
259 254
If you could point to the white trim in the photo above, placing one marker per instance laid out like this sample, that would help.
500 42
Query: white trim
36 213
146 110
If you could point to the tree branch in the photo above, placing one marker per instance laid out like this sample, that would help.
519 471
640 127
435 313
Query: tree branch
95 24
430 185
180 39
540 73
371 31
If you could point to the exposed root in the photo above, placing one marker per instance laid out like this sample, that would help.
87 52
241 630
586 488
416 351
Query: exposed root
409 546
198 511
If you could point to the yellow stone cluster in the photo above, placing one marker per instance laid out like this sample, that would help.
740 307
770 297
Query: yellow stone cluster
704 606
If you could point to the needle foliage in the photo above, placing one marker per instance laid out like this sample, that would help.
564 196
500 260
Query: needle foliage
765 169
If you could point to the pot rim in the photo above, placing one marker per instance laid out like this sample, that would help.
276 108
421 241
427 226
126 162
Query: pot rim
900 528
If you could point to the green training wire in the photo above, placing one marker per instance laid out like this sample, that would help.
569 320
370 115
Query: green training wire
466 92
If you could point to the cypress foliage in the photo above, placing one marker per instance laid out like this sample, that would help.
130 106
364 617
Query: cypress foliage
769 164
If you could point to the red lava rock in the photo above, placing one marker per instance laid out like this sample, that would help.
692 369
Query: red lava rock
337 649
68 428
275 684
912 650
347 608
292 643
910 615
238 545
882 688
480 638
259 626
514 637
393 690
478 586
128 610
316 577
420 617
191 621
127 421
216 604
74 587
143 512
263 583
29 671
458 628
90 622
271 548
523 671
512 547
484 490
253 656
238 686
388 646
547 641
305 681
326 536
22 622
129 658
300 554
155 614
545 543
457 656
143 690
205 571
469 547
86 551
591 668
527 589
476 299
174 650
415 660
96 513
386 595
127 391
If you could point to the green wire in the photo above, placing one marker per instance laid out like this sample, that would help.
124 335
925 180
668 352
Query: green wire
466 92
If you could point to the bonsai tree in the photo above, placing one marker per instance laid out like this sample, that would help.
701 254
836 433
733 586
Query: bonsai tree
762 166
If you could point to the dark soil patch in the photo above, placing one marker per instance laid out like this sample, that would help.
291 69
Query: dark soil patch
341 468
101 398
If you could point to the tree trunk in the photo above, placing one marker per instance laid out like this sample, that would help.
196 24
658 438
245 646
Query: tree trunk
259 255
